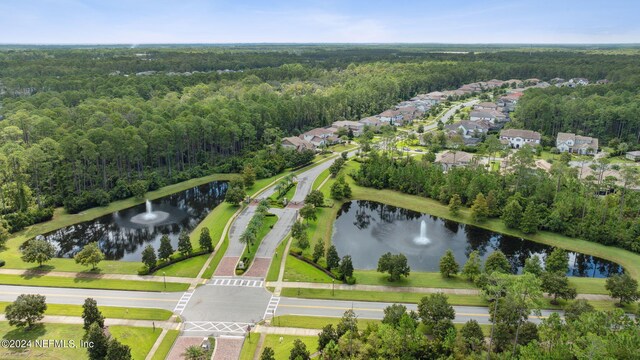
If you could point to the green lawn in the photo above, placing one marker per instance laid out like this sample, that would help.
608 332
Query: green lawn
139 339
11 254
109 312
357 295
250 346
185 268
110 284
299 271
250 250
274 268
166 344
323 175
282 349
417 279
215 221
208 272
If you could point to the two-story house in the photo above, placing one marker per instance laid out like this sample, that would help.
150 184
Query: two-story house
517 138
585 145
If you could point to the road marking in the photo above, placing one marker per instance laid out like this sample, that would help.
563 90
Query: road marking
212 326
271 308
94 297
220 281
184 300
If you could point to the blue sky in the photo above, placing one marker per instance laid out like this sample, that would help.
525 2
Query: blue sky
373 21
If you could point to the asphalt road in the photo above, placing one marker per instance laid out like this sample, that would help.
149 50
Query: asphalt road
237 228
450 113
374 310
137 299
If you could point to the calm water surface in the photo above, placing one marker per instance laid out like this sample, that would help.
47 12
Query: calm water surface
366 230
121 239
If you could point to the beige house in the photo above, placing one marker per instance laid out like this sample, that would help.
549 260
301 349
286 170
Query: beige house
451 159
297 143
517 138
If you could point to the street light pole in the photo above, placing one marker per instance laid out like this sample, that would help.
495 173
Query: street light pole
333 287
164 276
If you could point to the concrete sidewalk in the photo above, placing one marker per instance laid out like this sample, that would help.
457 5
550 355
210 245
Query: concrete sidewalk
108 322
156 278
406 289
286 331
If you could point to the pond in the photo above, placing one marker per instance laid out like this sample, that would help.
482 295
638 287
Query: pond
366 230
123 234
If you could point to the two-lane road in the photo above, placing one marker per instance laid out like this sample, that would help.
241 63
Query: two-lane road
375 310
134 299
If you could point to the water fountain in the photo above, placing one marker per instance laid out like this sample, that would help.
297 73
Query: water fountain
422 239
149 216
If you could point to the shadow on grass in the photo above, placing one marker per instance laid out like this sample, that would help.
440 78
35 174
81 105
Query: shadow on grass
34 332
37 272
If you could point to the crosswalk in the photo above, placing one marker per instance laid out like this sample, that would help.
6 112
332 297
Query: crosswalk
235 282
182 303
217 327
271 308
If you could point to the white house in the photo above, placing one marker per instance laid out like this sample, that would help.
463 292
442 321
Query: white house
469 129
393 117
485 106
567 142
517 138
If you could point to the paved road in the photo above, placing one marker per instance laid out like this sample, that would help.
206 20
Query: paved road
450 113
139 299
237 228
374 310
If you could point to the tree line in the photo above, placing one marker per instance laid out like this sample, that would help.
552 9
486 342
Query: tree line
525 198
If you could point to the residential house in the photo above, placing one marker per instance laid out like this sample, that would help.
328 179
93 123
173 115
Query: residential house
469 129
517 138
434 97
355 126
409 113
492 116
450 159
567 142
317 136
393 117
508 102
485 106
579 81
297 143
633 155
371 121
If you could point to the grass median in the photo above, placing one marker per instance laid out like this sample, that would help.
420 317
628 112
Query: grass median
85 283
165 346
274 268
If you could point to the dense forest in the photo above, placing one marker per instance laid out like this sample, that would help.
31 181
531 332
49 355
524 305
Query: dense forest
526 198
608 112
82 127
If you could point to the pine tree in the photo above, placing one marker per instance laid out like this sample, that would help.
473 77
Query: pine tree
473 267
512 213
333 260
480 209
91 314
497 262
184 244
100 342
530 219
165 250
205 240
346 267
455 204
149 257
448 264
318 250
